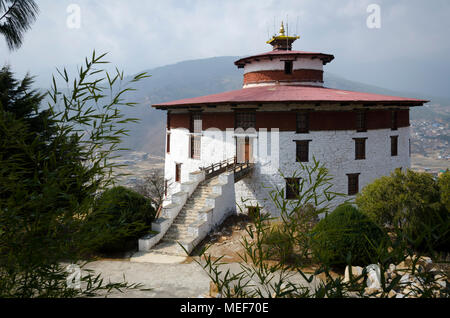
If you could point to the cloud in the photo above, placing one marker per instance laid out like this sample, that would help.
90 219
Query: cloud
141 34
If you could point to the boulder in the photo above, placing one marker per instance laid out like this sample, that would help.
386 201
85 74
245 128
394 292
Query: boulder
356 272
373 276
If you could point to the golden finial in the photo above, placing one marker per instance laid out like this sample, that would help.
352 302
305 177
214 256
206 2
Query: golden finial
282 29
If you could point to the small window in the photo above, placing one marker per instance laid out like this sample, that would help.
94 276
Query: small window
194 147
178 172
302 151
292 188
360 148
394 146
254 212
168 143
353 183
361 125
302 123
394 120
245 120
196 123
288 66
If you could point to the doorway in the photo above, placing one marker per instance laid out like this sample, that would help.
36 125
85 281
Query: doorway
244 149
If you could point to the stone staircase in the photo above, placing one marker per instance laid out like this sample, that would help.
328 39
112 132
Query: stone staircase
191 215
201 204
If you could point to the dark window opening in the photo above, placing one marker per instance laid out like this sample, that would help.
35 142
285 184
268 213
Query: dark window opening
288 67
394 120
302 123
292 188
394 146
361 125
168 120
353 183
245 120
254 212
302 151
168 143
360 148
178 172
195 147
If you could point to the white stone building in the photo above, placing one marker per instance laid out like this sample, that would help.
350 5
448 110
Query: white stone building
282 116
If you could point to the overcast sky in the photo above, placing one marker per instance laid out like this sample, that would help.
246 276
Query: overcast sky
409 52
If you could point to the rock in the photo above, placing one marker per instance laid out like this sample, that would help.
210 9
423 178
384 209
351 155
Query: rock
399 295
356 271
392 294
391 268
405 279
373 276
402 267
371 291
440 281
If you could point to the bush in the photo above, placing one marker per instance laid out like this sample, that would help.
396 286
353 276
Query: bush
279 244
123 216
413 204
347 235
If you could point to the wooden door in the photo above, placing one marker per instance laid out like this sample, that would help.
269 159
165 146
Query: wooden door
247 149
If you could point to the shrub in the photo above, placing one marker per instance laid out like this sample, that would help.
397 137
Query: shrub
123 216
278 242
413 204
346 235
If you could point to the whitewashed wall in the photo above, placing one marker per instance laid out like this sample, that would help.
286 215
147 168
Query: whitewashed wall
336 149
277 65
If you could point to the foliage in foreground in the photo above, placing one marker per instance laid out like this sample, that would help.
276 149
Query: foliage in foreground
125 217
347 236
52 165
260 276
413 203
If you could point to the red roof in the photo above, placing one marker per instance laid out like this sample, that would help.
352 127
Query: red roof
326 58
290 94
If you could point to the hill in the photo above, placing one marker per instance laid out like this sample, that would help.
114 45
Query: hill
214 75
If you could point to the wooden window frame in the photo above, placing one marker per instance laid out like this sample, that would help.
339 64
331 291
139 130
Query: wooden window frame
195 147
292 192
394 120
245 120
302 150
178 172
394 146
196 119
253 211
353 183
361 121
288 67
360 148
302 123
168 142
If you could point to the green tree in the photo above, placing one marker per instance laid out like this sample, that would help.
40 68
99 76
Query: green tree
16 17
50 175
410 204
